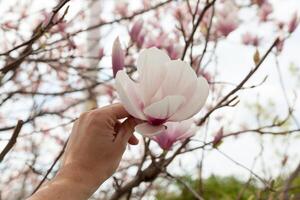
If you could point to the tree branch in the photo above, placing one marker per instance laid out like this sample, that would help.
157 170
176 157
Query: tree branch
12 140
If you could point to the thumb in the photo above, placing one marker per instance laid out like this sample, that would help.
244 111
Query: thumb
126 130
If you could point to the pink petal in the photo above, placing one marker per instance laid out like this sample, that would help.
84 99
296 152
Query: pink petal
148 130
164 108
195 102
128 94
164 140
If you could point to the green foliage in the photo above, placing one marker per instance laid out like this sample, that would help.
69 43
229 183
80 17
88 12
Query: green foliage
219 188
224 188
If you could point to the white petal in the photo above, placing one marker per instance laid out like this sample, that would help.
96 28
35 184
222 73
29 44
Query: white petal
151 58
195 102
148 130
164 108
179 77
151 71
127 91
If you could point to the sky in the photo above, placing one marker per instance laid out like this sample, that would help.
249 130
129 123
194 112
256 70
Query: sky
235 60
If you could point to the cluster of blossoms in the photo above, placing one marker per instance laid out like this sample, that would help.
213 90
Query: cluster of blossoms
166 93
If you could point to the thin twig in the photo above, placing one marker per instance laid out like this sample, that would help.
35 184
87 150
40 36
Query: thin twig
186 185
12 140
51 168
240 85
190 39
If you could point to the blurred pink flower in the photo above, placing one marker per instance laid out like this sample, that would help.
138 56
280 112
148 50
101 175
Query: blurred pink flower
59 27
226 25
140 41
227 20
118 57
280 45
280 25
175 131
163 42
173 51
100 53
265 10
166 90
258 2
218 138
122 8
136 30
9 25
249 39
293 23
205 74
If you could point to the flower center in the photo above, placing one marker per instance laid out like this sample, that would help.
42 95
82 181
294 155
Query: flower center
156 122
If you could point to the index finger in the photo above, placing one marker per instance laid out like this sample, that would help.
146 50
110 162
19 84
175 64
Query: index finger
118 111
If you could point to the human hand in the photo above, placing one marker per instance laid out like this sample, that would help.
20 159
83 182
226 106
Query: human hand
94 150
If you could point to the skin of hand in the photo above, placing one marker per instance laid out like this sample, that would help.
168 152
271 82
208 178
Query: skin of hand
93 153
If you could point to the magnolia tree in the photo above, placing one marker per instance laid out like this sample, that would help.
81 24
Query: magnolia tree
160 60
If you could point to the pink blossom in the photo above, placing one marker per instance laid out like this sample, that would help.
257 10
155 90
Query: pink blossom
218 138
140 41
280 45
163 42
280 25
9 25
60 27
166 90
259 2
293 23
205 74
265 10
173 51
122 8
100 53
227 20
175 131
118 57
226 25
136 30
249 39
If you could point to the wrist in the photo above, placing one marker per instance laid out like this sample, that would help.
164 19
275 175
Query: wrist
65 185
80 177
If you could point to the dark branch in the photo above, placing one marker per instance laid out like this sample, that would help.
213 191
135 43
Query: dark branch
12 140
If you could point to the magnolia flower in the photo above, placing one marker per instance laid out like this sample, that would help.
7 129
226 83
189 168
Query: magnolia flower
166 90
118 57
176 131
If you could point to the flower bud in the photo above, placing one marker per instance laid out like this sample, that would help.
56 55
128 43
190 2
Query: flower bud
136 30
118 57
293 23
218 138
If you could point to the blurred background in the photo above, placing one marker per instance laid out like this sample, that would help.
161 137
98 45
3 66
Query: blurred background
55 62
